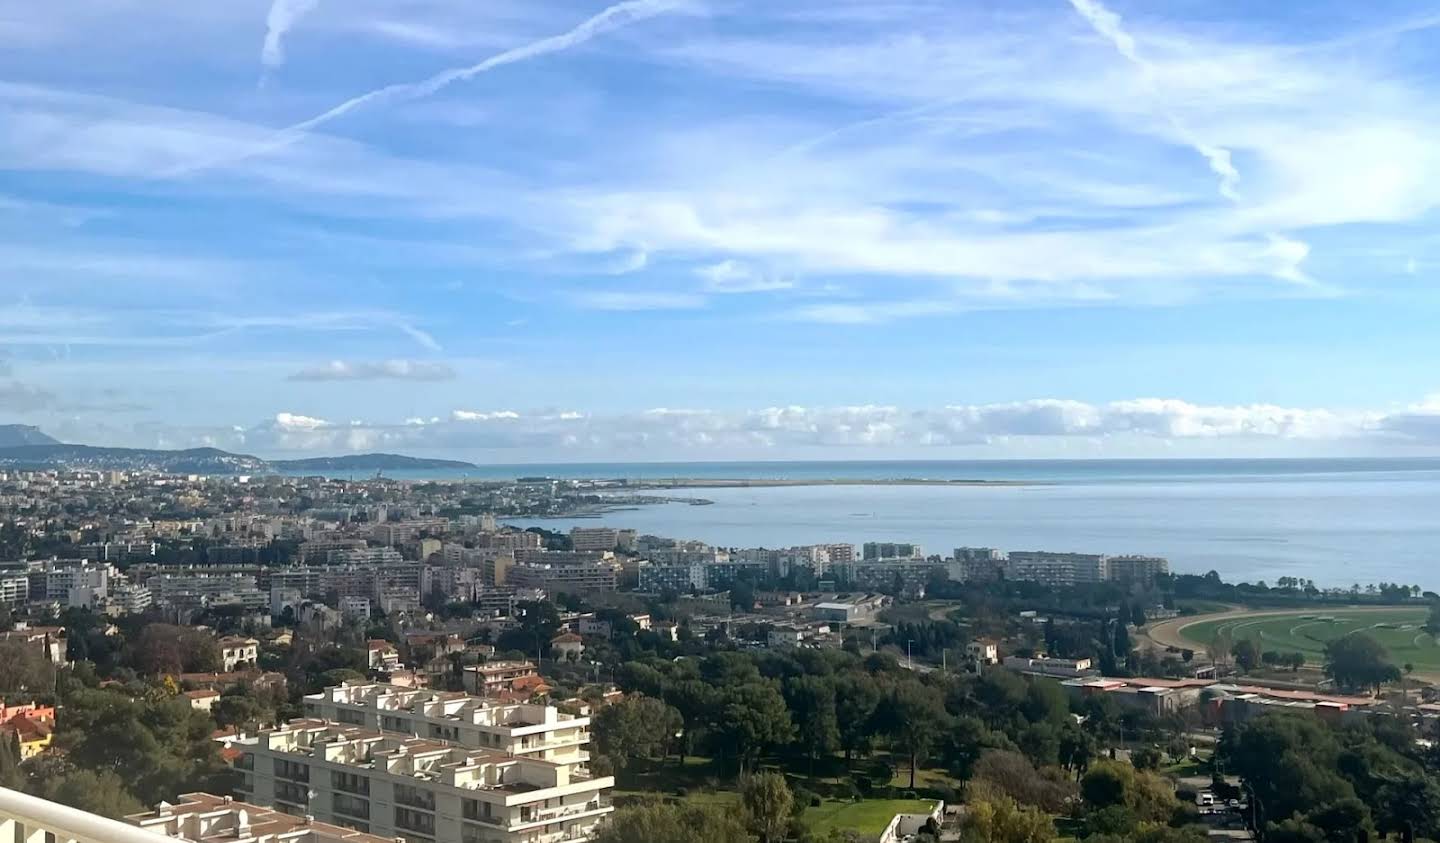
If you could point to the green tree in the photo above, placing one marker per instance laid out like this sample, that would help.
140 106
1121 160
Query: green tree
657 822
1115 784
157 745
1000 820
751 719
812 703
1146 758
696 701
1359 661
1290 764
11 776
914 716
1246 654
1343 819
1046 702
635 727
241 710
102 792
767 802
1077 747
856 699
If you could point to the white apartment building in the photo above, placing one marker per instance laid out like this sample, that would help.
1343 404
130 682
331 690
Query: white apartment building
208 818
14 589
573 579
1057 568
364 556
127 598
206 589
594 538
70 582
421 790
541 732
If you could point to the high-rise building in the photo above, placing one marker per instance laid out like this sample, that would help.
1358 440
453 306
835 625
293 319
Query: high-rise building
681 579
594 538
1140 569
1057 568
571 579
977 564
891 550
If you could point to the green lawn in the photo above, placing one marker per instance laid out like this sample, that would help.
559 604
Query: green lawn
924 777
716 798
868 818
1400 630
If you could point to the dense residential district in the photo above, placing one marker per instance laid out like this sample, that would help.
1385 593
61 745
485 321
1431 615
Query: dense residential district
314 661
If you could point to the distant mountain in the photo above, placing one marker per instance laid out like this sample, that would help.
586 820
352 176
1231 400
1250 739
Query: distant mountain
49 454
368 462
192 461
18 435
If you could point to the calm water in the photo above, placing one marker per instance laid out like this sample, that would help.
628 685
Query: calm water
1046 471
1334 521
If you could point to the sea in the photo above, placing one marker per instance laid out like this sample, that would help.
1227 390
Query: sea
1335 521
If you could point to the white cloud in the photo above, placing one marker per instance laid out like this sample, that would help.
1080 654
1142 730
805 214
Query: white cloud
424 338
477 416
294 422
283 15
343 370
614 17
1109 26
788 429
1141 426
732 276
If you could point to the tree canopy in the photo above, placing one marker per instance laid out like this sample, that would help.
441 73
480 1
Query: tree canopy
1358 661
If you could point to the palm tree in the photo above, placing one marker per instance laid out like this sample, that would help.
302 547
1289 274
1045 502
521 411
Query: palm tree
1404 692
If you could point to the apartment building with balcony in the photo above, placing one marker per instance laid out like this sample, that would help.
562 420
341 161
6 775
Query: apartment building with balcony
220 819
519 729
422 790
492 678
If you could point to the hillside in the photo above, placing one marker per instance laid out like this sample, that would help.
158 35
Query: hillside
368 462
20 435
192 461
49 454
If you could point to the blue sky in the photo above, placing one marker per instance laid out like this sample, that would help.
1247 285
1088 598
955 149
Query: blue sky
708 229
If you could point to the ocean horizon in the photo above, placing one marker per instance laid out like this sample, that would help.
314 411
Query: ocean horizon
1008 470
1338 521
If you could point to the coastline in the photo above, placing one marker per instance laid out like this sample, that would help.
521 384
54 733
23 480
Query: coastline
770 482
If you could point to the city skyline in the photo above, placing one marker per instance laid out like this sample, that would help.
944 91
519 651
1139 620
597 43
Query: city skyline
713 229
